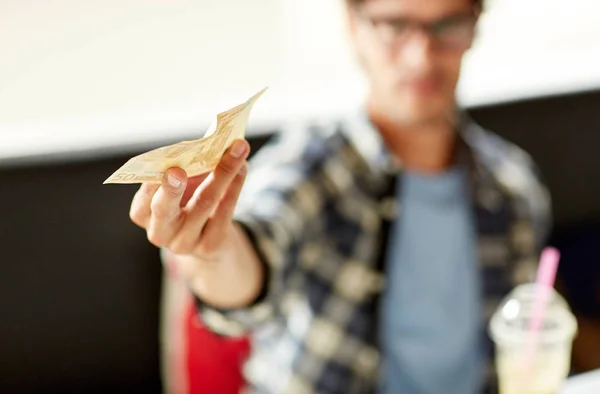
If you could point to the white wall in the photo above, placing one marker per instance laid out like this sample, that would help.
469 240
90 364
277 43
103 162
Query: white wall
528 48
79 58
525 48
81 73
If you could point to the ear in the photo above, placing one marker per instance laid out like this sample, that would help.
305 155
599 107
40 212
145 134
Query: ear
352 26
477 11
476 32
351 22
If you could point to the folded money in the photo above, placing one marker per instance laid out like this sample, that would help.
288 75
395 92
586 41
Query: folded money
196 157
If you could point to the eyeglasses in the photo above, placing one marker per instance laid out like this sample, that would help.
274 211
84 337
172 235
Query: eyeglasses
453 32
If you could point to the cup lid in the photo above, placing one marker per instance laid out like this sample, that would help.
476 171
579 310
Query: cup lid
510 323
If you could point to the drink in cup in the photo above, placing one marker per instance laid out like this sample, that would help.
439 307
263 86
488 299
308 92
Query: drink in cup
524 368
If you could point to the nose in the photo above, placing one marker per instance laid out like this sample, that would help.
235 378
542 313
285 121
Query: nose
417 51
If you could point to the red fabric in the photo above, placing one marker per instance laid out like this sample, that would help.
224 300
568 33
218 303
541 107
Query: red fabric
203 362
214 363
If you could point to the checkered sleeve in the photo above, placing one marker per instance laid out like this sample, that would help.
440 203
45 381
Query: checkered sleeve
541 208
278 200
520 175
535 196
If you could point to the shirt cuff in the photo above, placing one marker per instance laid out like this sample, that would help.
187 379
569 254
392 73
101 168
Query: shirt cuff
238 322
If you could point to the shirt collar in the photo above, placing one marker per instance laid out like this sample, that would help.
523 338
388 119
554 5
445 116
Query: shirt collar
367 140
475 151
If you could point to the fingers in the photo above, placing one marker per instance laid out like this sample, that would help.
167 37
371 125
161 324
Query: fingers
224 211
208 195
174 222
139 212
192 185
165 217
217 225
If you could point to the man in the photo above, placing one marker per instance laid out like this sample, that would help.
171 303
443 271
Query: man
364 255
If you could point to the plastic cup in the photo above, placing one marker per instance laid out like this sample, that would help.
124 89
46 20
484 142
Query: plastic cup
509 328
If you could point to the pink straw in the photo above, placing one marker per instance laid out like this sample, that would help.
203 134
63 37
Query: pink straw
546 276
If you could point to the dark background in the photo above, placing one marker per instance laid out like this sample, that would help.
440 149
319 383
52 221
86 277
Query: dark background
80 284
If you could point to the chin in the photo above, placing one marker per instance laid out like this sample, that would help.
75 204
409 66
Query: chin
420 110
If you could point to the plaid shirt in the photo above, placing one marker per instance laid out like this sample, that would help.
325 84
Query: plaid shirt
317 204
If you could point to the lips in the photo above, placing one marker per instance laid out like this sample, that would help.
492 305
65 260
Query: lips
423 86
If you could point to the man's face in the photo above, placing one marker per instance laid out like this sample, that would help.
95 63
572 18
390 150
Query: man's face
411 51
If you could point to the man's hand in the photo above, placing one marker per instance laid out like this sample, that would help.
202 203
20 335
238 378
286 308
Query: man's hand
193 218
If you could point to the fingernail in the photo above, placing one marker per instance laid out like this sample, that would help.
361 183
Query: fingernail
237 150
244 169
173 181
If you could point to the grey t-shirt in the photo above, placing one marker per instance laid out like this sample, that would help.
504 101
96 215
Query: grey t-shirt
431 313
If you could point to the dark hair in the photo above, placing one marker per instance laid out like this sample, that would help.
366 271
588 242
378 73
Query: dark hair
477 3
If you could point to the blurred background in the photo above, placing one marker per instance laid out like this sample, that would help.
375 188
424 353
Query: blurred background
85 303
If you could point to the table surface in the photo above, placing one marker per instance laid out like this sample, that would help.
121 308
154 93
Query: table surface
586 383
